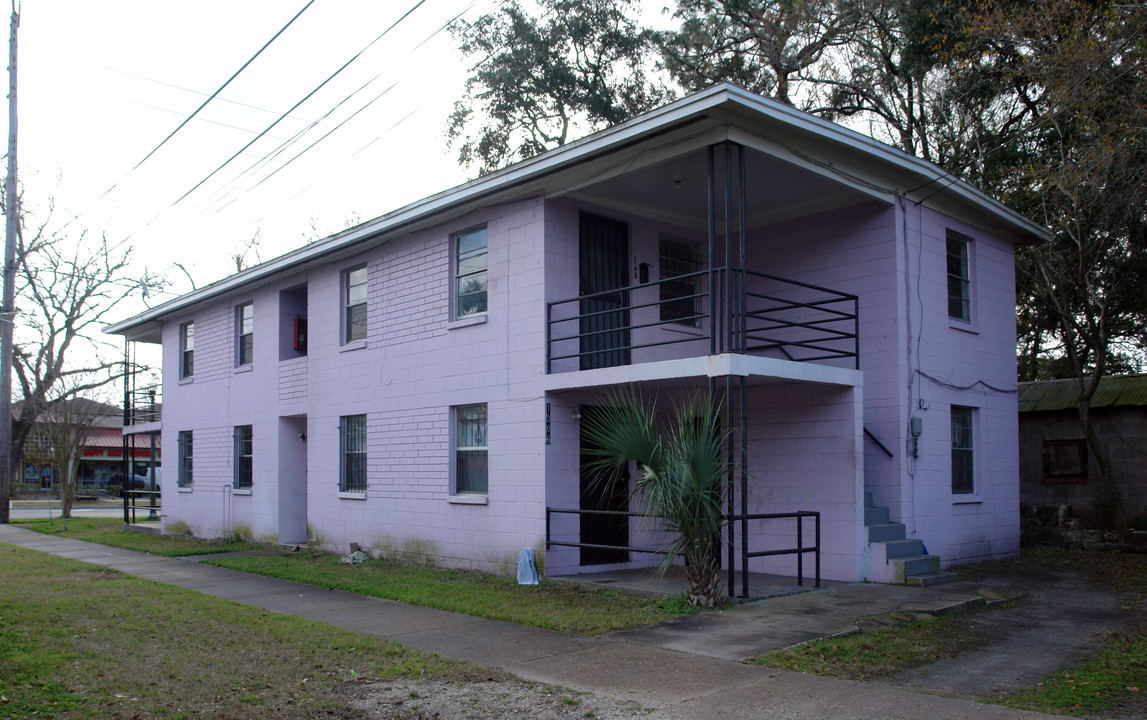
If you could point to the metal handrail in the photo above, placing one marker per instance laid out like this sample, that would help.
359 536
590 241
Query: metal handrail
154 507
829 328
800 550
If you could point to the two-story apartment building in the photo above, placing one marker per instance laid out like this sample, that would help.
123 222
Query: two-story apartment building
415 384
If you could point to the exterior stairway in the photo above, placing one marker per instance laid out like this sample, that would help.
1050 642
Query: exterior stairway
896 559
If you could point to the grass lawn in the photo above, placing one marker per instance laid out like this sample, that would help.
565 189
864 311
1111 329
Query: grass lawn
556 606
877 654
552 605
82 641
1113 679
109 531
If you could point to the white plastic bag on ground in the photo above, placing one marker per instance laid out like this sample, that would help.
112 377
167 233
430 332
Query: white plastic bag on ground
527 572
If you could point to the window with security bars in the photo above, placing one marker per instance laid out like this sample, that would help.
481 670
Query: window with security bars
963 469
244 451
186 453
355 308
959 278
352 474
471 441
680 289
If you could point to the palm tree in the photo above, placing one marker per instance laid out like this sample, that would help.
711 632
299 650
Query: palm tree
681 470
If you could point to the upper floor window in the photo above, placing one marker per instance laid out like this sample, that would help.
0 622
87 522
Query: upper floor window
185 458
187 350
471 474
470 273
352 432
680 287
354 305
245 327
963 468
244 454
959 278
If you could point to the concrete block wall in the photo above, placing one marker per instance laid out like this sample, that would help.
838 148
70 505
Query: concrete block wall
1123 434
413 367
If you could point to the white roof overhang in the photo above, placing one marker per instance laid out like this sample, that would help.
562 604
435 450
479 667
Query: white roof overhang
858 166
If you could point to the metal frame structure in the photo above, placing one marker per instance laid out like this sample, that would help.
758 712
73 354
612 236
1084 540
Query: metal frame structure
799 321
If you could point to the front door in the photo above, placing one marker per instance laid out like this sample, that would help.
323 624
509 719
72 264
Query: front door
602 491
603 267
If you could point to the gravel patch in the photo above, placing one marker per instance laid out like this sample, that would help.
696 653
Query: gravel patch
504 700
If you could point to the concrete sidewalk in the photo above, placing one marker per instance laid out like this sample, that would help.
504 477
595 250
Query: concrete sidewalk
623 665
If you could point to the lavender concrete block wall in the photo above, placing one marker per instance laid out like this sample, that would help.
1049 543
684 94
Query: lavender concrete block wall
414 365
970 365
805 453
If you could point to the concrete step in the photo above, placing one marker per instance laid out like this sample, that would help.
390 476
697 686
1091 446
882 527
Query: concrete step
905 567
932 578
875 516
869 499
895 549
886 532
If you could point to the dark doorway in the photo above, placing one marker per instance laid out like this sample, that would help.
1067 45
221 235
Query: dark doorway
602 491
603 264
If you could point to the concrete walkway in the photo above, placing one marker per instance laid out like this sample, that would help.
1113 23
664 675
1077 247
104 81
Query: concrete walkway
622 665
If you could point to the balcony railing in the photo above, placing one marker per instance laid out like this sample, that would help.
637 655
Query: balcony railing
145 405
750 313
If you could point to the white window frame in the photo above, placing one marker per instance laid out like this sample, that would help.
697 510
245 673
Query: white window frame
186 350
963 444
352 442
348 306
457 277
959 279
186 442
456 450
240 360
237 481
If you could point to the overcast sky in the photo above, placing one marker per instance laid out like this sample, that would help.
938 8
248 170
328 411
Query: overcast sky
102 83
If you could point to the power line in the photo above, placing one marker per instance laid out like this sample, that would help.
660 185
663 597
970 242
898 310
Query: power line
213 95
255 166
296 105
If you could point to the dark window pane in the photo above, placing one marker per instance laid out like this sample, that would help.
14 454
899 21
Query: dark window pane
472 476
680 302
356 323
963 468
959 280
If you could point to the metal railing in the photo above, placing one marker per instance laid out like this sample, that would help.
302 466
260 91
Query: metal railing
153 505
751 313
145 405
604 513
800 550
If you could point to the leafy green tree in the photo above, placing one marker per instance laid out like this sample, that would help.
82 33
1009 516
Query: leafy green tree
681 472
538 81
765 47
1081 71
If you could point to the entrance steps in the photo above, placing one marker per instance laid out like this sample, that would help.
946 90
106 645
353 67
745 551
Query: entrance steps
896 559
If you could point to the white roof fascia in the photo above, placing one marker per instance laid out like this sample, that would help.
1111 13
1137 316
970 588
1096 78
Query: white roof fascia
517 178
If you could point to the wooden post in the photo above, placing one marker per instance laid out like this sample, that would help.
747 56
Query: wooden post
7 314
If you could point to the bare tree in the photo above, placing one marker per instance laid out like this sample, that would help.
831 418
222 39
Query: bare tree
65 287
65 427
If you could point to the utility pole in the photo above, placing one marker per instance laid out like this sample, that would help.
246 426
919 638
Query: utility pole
7 309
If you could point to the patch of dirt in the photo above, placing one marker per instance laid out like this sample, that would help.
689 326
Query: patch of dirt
505 700
1063 617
